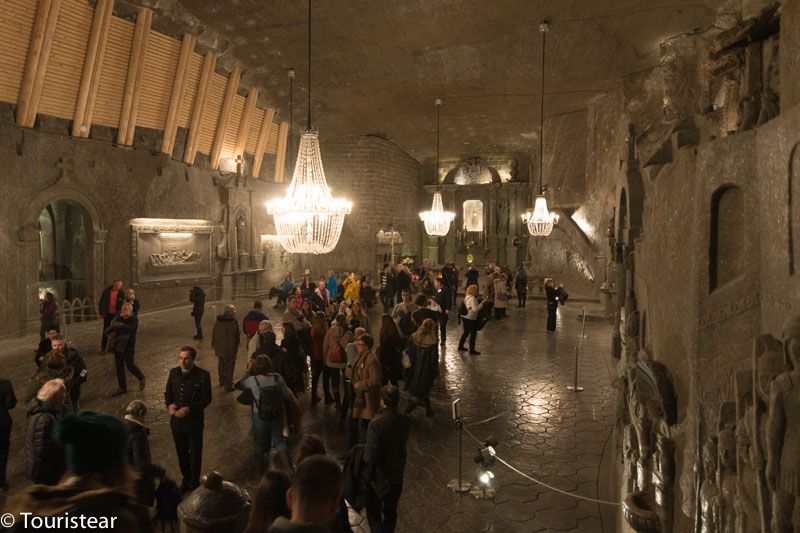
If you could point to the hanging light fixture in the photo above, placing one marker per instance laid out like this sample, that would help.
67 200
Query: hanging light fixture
308 220
437 220
540 221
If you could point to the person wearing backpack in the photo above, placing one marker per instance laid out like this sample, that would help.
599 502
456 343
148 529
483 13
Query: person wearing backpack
266 392
336 339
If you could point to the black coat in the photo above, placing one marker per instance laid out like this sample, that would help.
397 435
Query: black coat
105 299
198 298
44 458
521 283
424 369
140 459
402 281
7 402
74 360
122 335
192 390
444 297
387 435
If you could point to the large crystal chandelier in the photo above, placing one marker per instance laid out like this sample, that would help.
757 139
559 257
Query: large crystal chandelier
437 220
308 220
540 221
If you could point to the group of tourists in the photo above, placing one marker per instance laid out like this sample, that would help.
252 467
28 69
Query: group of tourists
326 331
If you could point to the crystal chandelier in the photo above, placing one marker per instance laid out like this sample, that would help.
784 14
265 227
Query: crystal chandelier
308 220
540 221
437 220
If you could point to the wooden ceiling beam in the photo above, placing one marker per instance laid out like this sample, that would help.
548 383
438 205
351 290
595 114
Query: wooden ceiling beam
176 98
95 51
261 144
244 125
280 153
133 81
209 63
225 116
30 92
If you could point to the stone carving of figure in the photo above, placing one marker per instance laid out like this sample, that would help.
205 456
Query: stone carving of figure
630 453
709 492
783 435
726 478
222 247
632 339
751 437
748 113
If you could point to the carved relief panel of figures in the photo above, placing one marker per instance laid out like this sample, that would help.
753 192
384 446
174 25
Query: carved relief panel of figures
783 435
652 407
767 438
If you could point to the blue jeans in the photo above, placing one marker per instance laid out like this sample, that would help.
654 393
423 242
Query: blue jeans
268 429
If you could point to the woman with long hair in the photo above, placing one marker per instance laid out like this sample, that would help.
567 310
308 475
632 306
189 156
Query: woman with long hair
390 350
423 349
358 317
270 501
319 328
470 320
366 384
307 309
294 348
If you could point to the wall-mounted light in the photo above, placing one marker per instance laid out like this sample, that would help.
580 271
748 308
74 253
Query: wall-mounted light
169 222
175 235
231 164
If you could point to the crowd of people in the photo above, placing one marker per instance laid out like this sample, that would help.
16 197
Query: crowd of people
325 331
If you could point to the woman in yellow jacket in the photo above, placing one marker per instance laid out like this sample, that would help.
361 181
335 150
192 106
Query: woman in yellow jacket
352 288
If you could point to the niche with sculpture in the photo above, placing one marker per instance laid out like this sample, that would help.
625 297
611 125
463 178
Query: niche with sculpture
650 451
242 230
170 250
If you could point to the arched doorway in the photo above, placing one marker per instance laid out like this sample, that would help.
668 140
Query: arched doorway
65 256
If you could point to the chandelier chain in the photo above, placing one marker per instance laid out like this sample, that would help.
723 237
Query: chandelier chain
543 30
309 65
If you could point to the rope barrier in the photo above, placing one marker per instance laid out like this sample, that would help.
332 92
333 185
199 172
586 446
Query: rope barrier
485 421
542 483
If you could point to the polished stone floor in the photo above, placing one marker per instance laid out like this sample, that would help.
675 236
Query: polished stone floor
544 430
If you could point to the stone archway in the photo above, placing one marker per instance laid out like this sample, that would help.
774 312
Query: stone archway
28 242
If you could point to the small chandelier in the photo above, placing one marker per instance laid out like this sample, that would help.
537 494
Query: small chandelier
540 221
308 220
437 220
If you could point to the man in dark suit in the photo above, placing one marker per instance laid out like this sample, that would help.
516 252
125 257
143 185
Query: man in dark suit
7 402
443 296
188 393
108 307
387 435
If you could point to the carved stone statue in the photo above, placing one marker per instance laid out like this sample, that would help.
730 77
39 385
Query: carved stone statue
222 247
726 478
748 113
783 435
752 499
709 492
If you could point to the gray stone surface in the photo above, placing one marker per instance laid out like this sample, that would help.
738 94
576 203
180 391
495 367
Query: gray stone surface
545 430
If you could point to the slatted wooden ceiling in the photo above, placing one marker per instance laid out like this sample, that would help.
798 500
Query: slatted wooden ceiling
62 77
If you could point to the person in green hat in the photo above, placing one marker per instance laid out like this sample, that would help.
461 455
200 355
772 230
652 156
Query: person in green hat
96 492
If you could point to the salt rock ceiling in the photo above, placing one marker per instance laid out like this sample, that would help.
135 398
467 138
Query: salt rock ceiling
379 64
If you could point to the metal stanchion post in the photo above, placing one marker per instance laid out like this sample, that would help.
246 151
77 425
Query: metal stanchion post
458 485
574 387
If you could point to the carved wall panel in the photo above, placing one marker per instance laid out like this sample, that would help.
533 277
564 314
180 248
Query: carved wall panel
170 250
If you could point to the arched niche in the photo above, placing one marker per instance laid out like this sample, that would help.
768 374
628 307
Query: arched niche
630 207
726 259
52 214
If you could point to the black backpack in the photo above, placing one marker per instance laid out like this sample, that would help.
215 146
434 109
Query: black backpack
270 400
